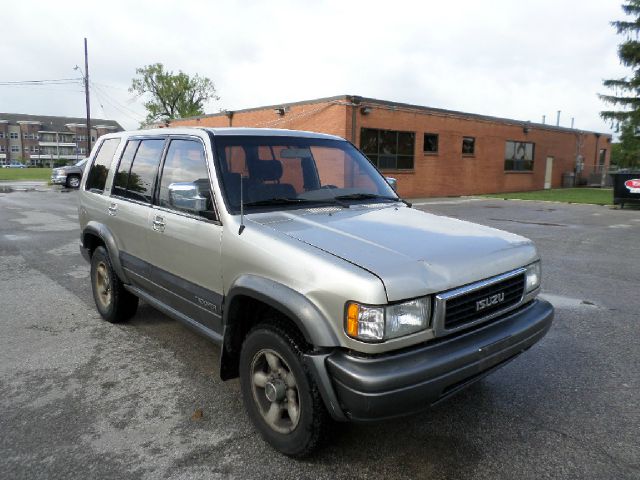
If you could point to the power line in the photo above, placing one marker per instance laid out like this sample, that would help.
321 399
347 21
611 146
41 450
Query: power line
41 88
59 81
113 101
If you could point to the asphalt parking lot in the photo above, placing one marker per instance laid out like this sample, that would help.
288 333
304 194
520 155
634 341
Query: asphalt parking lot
80 398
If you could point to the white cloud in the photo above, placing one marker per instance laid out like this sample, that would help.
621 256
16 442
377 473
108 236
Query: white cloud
513 59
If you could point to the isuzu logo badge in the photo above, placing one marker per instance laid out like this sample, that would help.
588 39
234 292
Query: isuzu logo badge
487 302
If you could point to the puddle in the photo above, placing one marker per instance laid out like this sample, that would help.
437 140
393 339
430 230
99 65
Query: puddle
16 238
8 189
544 224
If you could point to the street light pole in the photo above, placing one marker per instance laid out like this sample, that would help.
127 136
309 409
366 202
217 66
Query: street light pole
86 94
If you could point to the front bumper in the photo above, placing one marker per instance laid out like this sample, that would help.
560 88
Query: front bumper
58 179
390 385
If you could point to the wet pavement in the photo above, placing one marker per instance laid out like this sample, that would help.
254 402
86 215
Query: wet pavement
80 398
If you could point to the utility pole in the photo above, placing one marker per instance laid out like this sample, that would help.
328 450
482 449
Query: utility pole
86 95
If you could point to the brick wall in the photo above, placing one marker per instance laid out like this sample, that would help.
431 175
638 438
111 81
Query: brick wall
448 172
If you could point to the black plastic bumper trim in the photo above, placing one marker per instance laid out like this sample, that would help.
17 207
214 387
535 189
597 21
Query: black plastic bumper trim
371 388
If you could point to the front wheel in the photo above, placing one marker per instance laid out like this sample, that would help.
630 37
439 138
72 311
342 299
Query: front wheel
73 181
279 393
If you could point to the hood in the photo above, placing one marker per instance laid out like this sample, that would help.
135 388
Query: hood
413 252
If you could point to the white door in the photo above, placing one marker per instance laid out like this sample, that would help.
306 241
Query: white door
548 173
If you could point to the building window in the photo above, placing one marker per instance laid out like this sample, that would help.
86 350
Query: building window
13 135
26 149
388 149
430 143
518 156
15 149
602 157
1 134
2 149
468 145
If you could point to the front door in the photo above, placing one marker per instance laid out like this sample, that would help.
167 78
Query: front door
185 238
548 173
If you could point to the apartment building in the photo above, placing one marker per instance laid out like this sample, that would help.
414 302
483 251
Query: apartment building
48 141
437 152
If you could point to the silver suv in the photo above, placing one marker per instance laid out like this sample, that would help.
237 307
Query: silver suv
330 297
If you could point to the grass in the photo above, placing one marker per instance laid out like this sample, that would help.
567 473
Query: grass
34 174
597 196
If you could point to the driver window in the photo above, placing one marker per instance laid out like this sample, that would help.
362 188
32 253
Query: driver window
185 185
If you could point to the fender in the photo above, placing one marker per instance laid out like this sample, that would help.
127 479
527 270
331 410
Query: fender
311 322
102 231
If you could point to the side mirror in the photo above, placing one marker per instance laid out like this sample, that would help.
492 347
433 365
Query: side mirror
393 183
186 196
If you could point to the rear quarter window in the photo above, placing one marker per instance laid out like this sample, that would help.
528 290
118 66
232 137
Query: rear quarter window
97 176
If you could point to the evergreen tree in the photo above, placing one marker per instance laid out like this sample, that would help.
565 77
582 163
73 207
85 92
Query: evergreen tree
626 91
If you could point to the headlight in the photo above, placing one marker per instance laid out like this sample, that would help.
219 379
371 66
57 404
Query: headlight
533 277
377 323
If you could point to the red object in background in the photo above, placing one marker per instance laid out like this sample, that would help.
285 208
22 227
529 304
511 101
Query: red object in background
634 183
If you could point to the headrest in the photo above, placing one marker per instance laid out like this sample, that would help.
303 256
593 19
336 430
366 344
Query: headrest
266 170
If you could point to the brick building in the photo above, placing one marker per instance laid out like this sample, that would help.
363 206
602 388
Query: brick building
436 152
48 141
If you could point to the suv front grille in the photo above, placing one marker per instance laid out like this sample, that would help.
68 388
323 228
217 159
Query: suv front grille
479 301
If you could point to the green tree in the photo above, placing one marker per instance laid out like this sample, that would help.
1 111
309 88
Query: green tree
171 95
627 152
626 91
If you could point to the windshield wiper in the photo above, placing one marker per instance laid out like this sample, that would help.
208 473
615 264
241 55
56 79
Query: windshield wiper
371 196
292 201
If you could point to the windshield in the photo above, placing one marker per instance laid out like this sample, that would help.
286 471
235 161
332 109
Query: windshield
81 162
287 172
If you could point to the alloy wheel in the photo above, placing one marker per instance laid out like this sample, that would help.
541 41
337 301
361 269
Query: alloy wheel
275 391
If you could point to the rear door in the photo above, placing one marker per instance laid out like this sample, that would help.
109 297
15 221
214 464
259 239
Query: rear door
130 205
185 235
95 202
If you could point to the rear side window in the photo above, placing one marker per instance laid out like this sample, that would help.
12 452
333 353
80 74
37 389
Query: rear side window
122 174
97 176
185 183
142 173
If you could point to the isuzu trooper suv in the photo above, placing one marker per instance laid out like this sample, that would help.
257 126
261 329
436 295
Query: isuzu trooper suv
330 297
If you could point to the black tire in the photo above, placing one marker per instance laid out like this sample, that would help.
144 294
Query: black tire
114 303
73 181
305 434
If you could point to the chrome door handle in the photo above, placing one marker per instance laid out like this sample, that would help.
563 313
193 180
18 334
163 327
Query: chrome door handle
112 209
158 224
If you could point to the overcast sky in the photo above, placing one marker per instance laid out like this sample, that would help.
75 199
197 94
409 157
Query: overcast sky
506 58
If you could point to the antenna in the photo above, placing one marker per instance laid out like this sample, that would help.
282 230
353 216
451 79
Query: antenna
241 229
